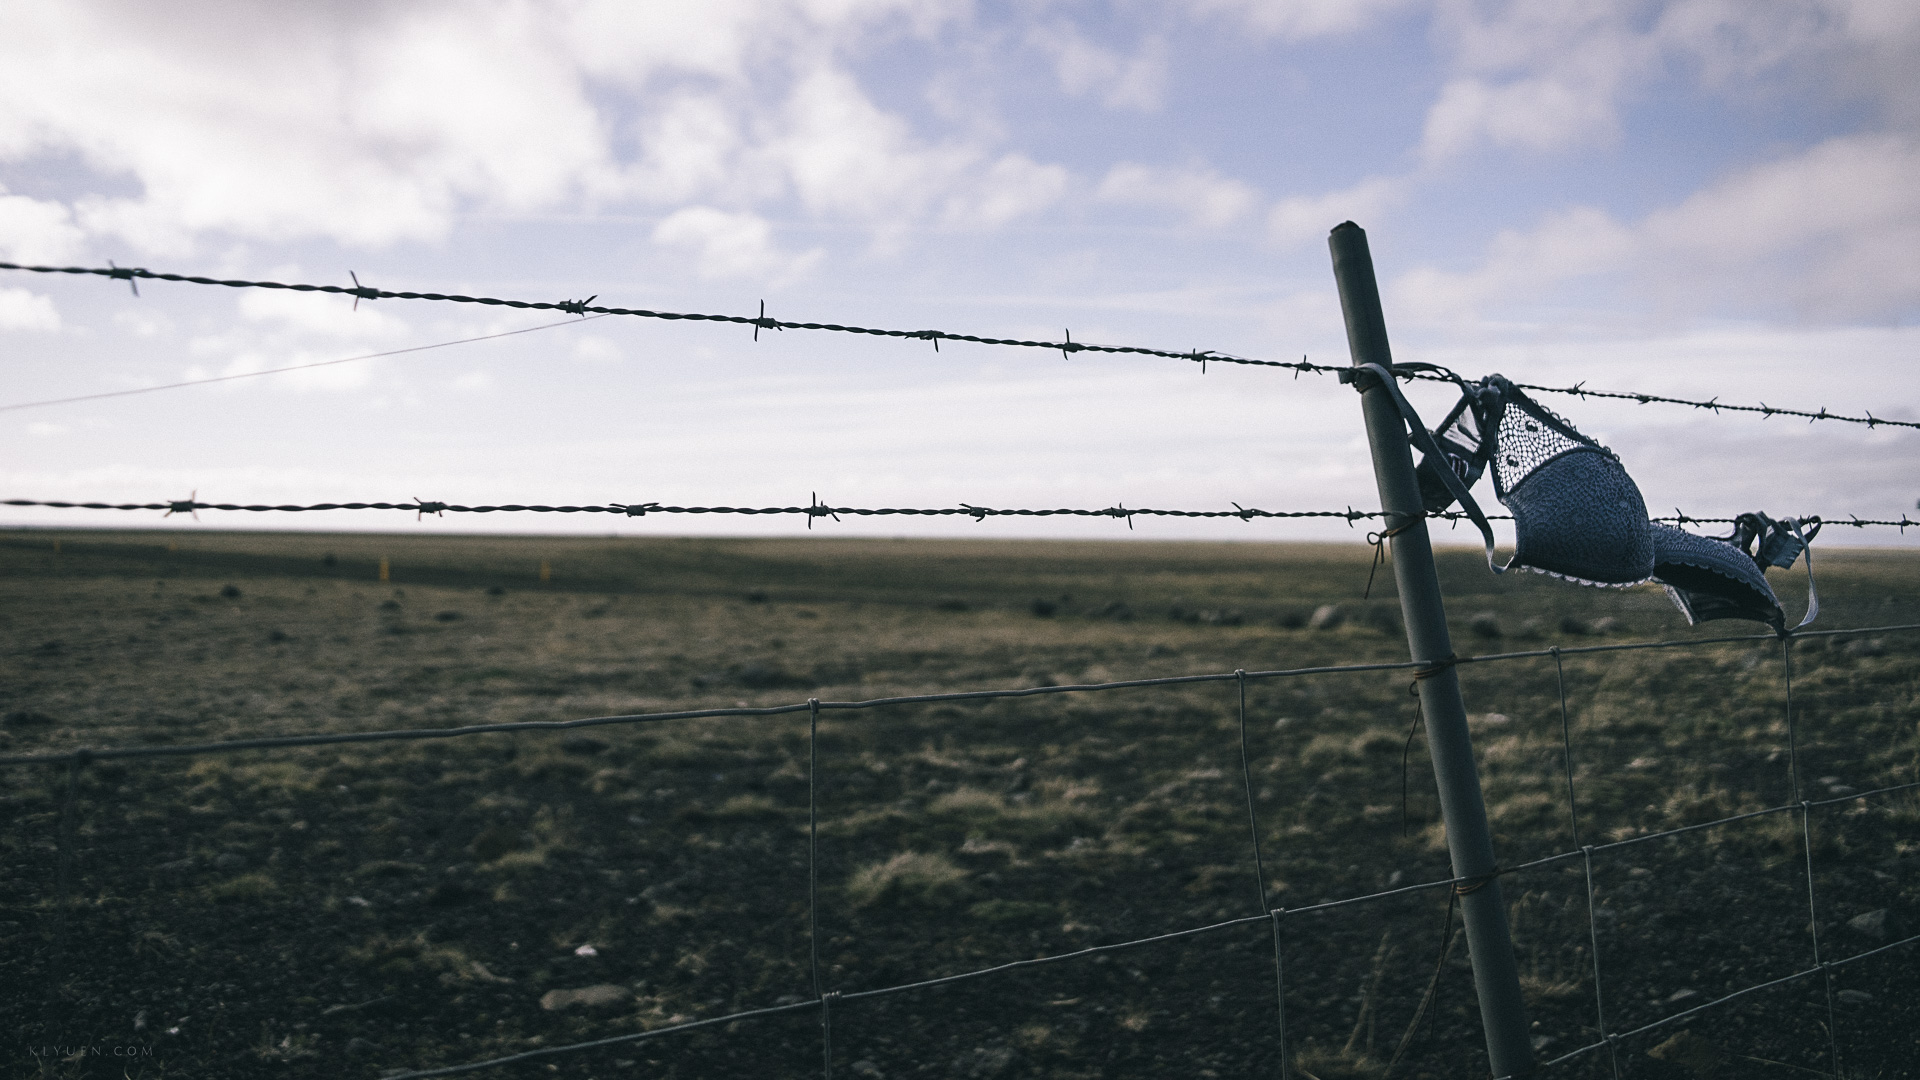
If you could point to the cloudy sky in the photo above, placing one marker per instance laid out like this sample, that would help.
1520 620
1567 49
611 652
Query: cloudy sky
1695 197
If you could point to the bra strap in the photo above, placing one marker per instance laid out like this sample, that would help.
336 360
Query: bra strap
1423 440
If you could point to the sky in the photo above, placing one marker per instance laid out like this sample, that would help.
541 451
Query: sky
1696 198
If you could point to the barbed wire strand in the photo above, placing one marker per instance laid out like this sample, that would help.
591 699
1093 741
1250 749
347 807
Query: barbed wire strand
817 509
292 367
759 322
1065 347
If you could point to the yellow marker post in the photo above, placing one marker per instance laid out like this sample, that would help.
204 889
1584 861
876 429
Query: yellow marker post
383 568
546 570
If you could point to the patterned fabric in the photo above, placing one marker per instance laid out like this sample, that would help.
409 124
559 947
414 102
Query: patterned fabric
1712 579
1576 513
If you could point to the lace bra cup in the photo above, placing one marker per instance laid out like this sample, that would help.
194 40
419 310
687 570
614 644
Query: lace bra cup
1579 516
1711 579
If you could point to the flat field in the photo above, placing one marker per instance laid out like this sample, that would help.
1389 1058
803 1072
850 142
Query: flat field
359 910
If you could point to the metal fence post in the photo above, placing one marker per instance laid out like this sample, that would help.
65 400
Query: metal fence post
1496 976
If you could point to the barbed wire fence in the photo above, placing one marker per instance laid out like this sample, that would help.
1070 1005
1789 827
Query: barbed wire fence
1609 1039
1067 347
818 509
1277 919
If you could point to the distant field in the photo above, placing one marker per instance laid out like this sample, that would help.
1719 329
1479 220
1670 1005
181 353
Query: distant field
361 910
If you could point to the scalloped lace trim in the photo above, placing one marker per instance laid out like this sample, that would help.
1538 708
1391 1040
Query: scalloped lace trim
1515 564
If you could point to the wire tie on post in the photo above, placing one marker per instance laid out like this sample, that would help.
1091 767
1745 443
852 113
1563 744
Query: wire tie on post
361 292
127 274
188 505
423 508
1470 885
1379 542
1420 674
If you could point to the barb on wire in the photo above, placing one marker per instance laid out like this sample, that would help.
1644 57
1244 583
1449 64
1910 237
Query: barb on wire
817 509
758 322
1713 404
1066 347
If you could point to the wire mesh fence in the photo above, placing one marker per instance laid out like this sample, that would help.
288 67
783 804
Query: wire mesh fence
1288 926
807 919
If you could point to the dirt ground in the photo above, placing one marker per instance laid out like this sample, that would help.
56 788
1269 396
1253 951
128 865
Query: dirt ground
362 910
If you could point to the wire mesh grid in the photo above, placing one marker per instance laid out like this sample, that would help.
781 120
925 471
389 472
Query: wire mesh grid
1607 1035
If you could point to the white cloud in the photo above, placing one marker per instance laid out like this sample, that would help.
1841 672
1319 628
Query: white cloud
730 245
23 310
1832 232
1544 75
593 348
1085 69
1202 196
1011 187
372 124
1298 20
1310 217
35 230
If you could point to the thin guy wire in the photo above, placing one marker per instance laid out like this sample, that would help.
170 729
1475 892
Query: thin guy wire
818 509
1259 866
1566 743
1573 826
1253 820
1280 986
1806 845
1065 348
290 367
285 741
63 873
813 848
826 1033
1593 943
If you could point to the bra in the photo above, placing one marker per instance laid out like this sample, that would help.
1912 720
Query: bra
1578 516
1723 577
